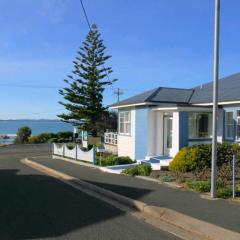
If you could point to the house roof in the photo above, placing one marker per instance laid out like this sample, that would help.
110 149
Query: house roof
157 95
229 89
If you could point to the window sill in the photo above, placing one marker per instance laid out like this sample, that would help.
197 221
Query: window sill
124 134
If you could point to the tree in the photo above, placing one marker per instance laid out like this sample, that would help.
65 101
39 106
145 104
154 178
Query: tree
84 94
23 134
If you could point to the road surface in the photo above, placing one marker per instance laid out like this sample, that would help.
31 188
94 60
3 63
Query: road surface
35 206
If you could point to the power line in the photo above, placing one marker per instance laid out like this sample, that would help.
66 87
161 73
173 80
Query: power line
28 86
85 14
34 113
90 28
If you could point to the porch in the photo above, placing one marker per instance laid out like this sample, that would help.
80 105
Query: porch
170 129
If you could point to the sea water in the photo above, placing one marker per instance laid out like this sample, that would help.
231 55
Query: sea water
37 126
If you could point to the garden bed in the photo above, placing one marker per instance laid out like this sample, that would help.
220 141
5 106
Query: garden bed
191 169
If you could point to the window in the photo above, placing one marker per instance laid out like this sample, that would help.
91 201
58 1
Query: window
238 124
229 125
125 123
199 125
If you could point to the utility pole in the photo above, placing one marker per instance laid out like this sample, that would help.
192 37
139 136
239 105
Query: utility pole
215 99
118 92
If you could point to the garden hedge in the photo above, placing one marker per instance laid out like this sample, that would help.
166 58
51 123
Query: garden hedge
199 157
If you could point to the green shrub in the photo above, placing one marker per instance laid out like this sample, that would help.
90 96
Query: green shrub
53 140
199 157
200 186
33 140
142 170
23 135
165 177
70 146
203 186
112 160
68 135
224 192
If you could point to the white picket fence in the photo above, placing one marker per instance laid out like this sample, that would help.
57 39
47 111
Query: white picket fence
76 153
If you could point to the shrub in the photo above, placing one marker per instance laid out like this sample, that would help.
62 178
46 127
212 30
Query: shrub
200 186
23 134
111 160
53 140
199 157
165 177
68 135
224 192
33 140
142 170
203 186
70 146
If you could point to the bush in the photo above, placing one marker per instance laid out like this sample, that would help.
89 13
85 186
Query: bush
53 140
200 186
199 157
203 186
65 135
112 160
165 177
142 170
224 192
23 134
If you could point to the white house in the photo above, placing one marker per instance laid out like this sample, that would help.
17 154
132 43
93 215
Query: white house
157 123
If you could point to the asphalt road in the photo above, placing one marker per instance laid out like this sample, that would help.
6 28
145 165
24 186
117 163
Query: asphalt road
223 213
35 206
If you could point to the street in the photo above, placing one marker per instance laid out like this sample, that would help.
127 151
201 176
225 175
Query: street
36 206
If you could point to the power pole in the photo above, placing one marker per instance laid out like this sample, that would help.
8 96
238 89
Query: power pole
215 99
118 92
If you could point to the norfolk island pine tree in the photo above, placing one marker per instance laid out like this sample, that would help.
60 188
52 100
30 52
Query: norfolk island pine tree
84 94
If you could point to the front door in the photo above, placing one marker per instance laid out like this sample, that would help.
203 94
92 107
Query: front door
167 135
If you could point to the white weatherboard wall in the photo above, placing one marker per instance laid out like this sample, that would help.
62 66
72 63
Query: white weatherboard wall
126 143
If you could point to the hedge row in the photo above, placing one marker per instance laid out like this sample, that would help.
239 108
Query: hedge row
112 160
199 157
51 137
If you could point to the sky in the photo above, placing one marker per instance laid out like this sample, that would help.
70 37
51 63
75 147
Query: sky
152 42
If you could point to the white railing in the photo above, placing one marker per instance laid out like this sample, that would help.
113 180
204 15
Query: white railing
111 138
76 152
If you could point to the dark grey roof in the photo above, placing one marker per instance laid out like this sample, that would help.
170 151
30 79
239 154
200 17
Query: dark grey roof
229 89
157 95
140 98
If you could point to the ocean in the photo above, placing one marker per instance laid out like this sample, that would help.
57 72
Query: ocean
37 126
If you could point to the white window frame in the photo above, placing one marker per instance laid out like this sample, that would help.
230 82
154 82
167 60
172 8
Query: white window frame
126 123
226 125
196 126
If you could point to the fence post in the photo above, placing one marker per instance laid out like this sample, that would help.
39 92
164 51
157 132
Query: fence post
63 150
53 147
94 156
234 175
76 151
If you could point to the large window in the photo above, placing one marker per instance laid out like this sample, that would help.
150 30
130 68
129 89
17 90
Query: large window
229 125
200 125
125 123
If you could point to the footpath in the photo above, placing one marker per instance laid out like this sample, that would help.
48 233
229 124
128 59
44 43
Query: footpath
225 214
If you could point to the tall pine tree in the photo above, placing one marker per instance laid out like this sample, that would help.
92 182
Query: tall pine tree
84 94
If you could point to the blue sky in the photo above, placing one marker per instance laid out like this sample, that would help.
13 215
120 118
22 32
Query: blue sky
153 43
